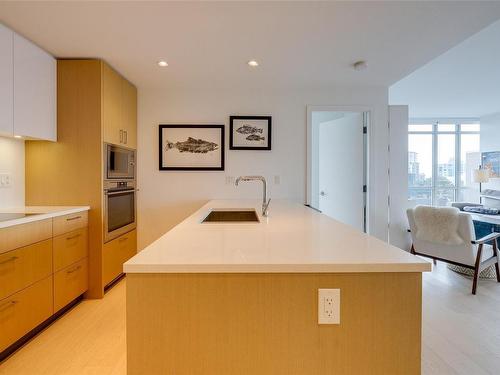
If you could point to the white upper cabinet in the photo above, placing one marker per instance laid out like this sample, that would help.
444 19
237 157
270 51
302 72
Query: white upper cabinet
34 91
6 82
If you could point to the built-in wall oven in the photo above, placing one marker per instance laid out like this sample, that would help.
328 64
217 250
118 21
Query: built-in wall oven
119 163
120 208
120 190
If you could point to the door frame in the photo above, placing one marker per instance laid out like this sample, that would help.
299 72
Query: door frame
365 110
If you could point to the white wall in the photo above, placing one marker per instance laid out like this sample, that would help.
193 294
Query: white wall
398 180
490 132
166 198
12 162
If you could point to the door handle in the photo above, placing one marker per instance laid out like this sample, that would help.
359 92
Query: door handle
121 136
126 136
73 269
73 237
5 306
11 259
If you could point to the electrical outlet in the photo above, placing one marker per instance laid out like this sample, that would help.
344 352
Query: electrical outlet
328 306
277 180
230 180
5 180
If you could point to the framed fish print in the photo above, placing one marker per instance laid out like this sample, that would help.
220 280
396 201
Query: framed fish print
191 147
250 133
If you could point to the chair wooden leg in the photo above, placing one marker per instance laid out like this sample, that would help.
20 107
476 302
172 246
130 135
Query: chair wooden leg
476 268
495 253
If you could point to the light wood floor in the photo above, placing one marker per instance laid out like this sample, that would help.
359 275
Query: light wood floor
461 333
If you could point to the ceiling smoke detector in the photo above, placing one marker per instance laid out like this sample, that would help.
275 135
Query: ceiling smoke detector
360 65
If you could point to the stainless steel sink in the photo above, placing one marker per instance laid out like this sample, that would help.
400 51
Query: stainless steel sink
231 216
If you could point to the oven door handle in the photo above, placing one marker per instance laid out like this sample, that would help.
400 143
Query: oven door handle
120 191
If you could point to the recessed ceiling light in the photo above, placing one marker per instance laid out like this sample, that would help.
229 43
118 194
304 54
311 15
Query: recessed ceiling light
253 63
162 63
17 136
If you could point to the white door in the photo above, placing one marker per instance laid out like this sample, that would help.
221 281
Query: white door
34 91
341 168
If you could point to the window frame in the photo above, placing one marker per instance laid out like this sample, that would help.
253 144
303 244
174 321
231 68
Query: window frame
458 122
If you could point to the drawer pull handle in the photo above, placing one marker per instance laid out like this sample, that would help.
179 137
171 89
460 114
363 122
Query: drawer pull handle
73 237
73 218
7 305
73 270
11 259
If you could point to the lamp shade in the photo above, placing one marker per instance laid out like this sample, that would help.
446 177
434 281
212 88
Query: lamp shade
481 175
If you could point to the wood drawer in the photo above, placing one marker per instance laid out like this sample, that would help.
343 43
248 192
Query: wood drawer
70 248
25 310
69 283
69 223
24 234
115 253
24 266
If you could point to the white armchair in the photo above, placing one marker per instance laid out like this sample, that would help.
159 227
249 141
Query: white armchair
448 235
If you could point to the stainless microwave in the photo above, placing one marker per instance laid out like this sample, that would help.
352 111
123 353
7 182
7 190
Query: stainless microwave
119 163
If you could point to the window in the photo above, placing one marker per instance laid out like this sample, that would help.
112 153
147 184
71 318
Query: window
441 159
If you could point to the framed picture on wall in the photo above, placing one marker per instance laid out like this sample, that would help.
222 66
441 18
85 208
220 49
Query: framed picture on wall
250 133
191 147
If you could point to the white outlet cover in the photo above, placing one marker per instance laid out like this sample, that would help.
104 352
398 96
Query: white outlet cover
328 306
5 180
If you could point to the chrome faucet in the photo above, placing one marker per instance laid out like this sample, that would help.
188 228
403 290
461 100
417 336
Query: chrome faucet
265 202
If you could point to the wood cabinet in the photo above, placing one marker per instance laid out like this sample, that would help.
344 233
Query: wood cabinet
34 91
117 252
24 310
6 81
70 248
94 103
68 223
119 109
27 88
129 110
40 274
22 235
24 266
70 283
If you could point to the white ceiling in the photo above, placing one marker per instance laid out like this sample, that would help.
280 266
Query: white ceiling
207 44
463 82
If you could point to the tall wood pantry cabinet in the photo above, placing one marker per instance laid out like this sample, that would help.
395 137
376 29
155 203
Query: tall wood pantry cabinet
95 105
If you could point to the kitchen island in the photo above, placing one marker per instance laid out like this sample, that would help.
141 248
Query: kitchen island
242 298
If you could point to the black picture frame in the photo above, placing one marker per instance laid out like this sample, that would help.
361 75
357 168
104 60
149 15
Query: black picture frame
254 148
161 166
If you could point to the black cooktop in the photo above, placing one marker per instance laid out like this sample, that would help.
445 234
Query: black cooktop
8 216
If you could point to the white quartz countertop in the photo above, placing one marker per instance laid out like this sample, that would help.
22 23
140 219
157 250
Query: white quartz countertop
292 239
37 213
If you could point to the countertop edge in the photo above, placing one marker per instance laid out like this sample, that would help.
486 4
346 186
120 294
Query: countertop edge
277 268
42 216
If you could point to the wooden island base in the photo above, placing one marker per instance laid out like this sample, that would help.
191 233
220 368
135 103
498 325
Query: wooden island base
267 324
